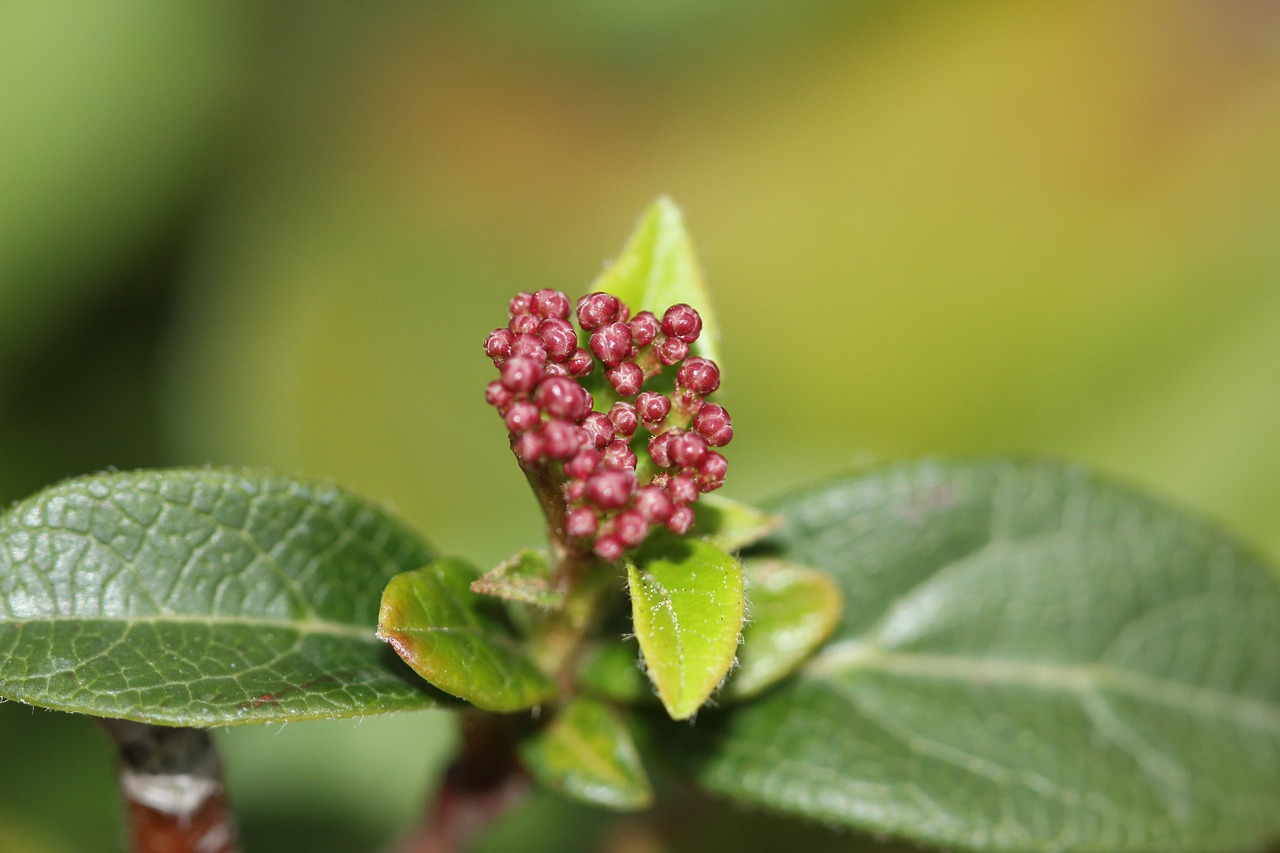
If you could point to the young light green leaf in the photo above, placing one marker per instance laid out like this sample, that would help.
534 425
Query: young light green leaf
525 578
686 607
793 610
587 753
1031 658
458 640
730 525
201 597
612 670
658 269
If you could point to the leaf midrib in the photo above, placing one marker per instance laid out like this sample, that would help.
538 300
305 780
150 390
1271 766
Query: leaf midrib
303 626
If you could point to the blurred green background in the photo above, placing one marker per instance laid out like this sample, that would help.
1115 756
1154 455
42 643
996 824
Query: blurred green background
277 234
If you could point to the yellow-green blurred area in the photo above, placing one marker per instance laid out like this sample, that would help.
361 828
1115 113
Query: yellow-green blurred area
277 234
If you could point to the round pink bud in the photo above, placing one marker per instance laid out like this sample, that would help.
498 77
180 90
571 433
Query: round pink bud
559 338
597 309
682 490
624 312
612 343
560 439
523 324
581 523
644 328
521 374
682 322
583 464
598 428
652 407
580 363
711 471
529 346
498 344
623 417
521 303
712 423
619 455
687 449
522 417
548 304
699 375
654 504
529 447
575 491
611 488
672 350
561 397
631 527
681 520
498 396
658 450
626 378
609 548
553 369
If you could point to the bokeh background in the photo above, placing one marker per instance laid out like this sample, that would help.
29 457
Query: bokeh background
277 234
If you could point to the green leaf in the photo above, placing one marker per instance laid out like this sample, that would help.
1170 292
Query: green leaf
201 597
525 578
730 525
587 753
1030 658
686 608
612 669
458 640
793 610
658 269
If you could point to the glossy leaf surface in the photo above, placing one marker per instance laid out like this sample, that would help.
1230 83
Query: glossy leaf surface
201 597
587 753
458 639
1030 658
729 524
686 609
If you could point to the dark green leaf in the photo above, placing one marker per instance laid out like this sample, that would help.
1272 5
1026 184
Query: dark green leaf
587 753
686 609
458 640
612 670
793 610
525 578
1031 658
201 597
730 525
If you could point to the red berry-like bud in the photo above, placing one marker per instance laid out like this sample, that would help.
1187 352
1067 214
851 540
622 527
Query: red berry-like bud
682 322
672 350
652 407
559 338
623 417
581 522
498 344
522 417
523 324
627 378
658 450
548 303
712 423
580 363
654 504
561 397
498 396
597 309
583 464
575 491
612 343
611 488
644 328
560 439
711 471
521 375
598 428
682 490
521 303
681 520
699 375
553 369
529 447
529 346
609 548
631 527
619 455
687 449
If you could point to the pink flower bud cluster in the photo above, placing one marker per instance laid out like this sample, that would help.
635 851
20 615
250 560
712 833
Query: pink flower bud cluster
553 422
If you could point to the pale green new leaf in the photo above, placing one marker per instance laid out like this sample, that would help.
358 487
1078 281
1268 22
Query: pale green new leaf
658 269
729 524
1031 658
525 578
587 753
458 639
201 597
686 609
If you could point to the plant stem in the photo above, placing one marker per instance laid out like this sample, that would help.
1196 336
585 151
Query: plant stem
171 782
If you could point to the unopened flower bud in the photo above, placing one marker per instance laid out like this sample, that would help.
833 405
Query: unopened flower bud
652 408
521 374
612 343
623 417
627 378
682 322
681 520
596 310
699 375
581 522
551 304
713 424
522 417
611 488
672 350
498 345
558 337
644 328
